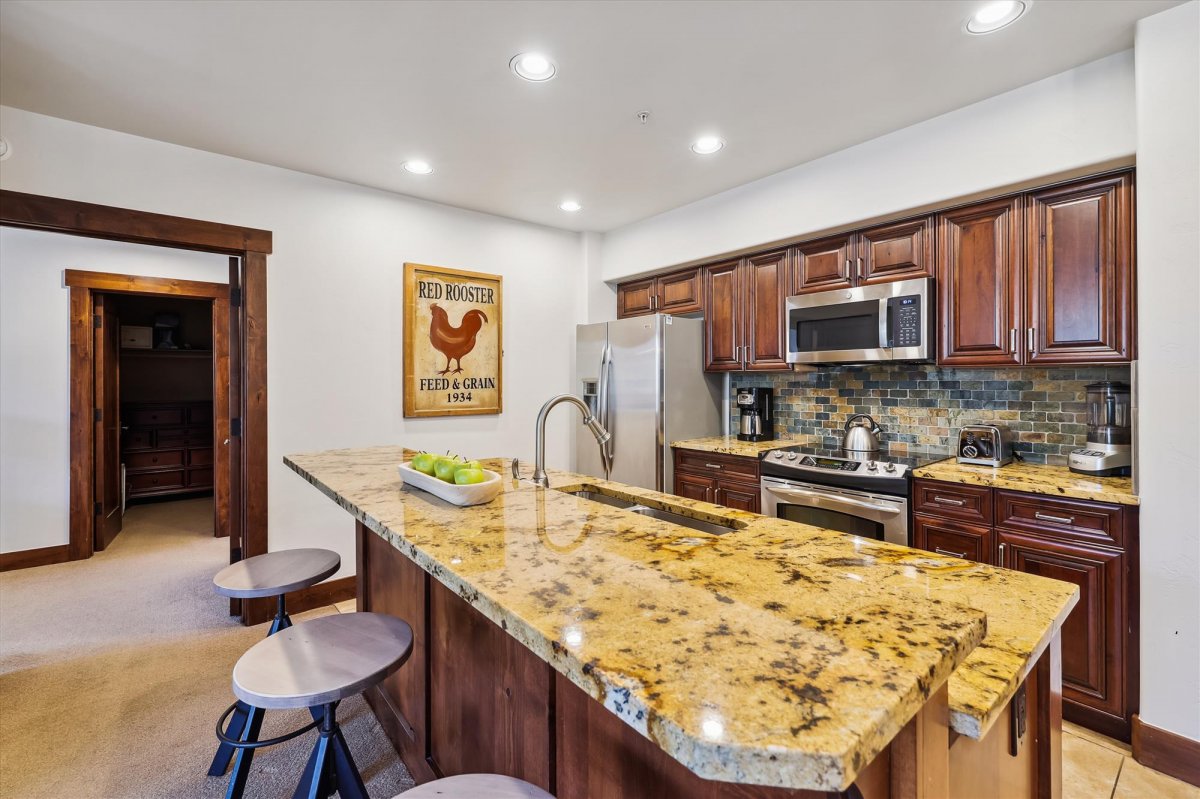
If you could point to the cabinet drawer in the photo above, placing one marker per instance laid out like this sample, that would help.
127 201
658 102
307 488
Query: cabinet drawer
200 457
139 439
154 481
1063 518
953 500
718 465
200 478
200 415
154 459
146 416
955 539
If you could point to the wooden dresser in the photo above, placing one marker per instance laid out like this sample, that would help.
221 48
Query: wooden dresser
167 448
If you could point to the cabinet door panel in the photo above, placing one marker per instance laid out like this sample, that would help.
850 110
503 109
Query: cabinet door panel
1093 654
979 284
955 539
767 280
690 486
738 497
636 298
896 251
723 317
1080 278
680 292
822 264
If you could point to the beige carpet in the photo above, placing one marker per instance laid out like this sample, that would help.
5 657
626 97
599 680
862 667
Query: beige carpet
113 671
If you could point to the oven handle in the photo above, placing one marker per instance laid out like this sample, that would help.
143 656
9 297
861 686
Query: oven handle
833 499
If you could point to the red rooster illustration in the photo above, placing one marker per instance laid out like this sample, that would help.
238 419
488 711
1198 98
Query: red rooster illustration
454 342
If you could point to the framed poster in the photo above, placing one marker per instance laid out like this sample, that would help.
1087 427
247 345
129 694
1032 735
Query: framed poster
452 342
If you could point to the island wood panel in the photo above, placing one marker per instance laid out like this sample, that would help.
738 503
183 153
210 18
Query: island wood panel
1080 294
765 334
823 264
895 251
491 700
979 284
388 582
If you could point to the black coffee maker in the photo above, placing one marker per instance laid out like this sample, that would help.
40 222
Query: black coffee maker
757 422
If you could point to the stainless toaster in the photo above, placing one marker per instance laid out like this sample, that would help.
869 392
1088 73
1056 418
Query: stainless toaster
985 445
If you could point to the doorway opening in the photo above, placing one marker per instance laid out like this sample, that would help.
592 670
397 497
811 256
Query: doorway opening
155 380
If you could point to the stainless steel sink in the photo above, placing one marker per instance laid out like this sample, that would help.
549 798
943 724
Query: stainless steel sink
714 528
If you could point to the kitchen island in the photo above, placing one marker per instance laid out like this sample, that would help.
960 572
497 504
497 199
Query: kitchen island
596 652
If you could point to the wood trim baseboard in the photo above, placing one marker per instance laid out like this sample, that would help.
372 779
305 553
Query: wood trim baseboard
1165 751
27 558
321 594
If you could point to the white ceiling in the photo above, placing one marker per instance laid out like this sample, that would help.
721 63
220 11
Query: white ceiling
349 90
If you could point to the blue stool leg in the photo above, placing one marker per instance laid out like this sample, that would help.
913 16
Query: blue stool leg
237 723
241 764
349 781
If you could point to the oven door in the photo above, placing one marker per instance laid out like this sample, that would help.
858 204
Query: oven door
881 517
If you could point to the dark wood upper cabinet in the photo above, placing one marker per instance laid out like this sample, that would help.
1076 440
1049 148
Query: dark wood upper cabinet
635 298
767 279
723 341
896 251
979 276
1080 290
677 293
823 264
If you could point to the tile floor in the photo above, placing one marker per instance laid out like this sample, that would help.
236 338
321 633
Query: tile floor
1096 767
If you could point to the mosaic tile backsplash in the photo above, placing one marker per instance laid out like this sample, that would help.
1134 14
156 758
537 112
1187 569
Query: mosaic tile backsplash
926 405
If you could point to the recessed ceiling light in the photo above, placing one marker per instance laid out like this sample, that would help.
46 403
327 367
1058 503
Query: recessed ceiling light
417 166
707 145
532 66
570 205
996 15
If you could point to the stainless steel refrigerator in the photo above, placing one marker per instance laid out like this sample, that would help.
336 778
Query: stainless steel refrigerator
644 379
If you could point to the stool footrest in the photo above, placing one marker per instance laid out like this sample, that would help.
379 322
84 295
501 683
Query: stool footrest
239 744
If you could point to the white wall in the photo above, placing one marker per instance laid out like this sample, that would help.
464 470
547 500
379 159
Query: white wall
1168 227
334 299
34 366
1067 122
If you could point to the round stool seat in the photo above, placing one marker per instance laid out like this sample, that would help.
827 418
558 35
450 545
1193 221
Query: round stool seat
276 573
476 786
322 661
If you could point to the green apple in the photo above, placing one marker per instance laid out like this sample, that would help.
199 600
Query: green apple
424 462
468 465
464 477
444 467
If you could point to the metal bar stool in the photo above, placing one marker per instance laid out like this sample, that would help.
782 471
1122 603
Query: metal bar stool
317 664
476 786
273 574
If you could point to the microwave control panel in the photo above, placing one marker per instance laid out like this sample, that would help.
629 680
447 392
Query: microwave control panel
906 321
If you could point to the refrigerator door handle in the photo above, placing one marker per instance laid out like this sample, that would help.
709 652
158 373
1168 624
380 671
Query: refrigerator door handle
607 450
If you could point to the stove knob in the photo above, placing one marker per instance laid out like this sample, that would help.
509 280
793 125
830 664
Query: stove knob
791 456
891 467
872 466
778 455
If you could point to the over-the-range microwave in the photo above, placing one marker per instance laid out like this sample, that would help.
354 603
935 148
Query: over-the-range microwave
883 322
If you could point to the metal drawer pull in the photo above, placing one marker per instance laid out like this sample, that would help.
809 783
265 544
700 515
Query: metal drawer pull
713 465
941 551
1046 517
1003 547
945 501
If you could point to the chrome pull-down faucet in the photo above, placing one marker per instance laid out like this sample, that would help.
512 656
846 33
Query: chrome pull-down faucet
593 424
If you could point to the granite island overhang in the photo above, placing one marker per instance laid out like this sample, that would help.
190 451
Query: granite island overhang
777 655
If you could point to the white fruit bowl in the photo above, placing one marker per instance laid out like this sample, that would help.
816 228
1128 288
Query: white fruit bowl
475 494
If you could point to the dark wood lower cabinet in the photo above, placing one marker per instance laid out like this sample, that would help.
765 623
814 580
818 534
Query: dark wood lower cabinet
729 480
1090 544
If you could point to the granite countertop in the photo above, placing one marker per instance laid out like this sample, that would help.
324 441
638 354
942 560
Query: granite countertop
779 654
1035 478
729 445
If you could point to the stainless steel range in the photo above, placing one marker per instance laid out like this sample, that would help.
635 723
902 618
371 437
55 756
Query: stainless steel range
859 493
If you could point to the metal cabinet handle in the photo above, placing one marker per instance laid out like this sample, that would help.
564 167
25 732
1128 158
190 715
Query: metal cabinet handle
713 465
860 268
1029 339
1012 340
1046 517
849 268
945 501
941 551
1002 548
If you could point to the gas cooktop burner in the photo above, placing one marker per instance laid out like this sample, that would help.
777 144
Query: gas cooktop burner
819 464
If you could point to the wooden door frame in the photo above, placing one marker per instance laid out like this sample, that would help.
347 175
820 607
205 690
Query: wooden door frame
248 249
